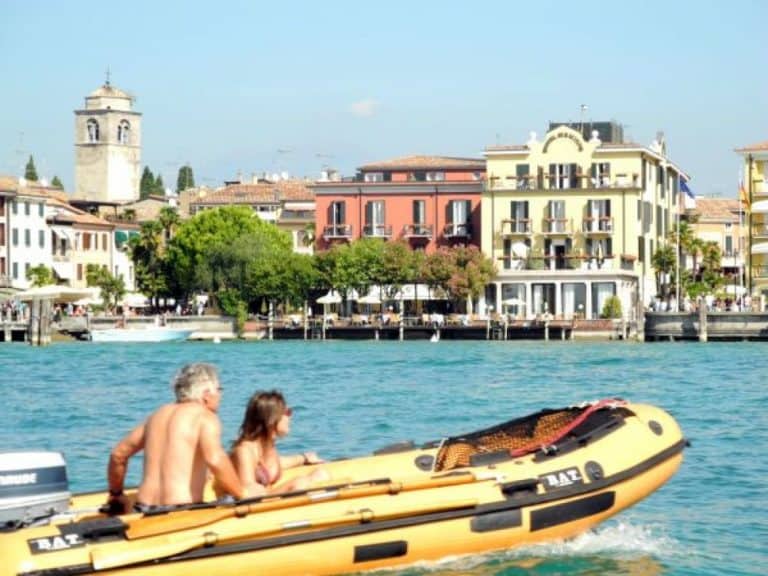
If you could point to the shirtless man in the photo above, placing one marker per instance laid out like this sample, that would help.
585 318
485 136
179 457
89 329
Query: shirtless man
181 441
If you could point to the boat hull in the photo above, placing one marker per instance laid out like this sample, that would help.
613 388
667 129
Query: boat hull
150 334
420 514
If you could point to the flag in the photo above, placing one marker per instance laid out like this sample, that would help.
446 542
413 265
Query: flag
684 188
743 196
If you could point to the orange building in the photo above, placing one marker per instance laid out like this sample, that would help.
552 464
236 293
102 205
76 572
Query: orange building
430 201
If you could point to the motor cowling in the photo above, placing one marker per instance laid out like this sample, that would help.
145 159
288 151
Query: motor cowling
33 486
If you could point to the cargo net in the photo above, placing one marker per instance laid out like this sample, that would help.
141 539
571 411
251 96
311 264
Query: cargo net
518 437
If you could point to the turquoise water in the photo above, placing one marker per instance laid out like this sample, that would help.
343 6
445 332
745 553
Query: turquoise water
353 397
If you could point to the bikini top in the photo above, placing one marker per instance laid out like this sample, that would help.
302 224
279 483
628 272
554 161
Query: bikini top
262 474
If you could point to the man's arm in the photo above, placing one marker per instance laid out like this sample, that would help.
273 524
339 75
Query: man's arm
217 459
118 465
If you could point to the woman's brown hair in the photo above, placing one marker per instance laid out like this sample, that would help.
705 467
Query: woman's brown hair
262 415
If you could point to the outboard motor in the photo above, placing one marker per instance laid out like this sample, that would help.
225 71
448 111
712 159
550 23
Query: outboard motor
33 486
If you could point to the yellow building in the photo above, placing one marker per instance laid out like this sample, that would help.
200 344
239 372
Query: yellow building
572 220
756 197
722 221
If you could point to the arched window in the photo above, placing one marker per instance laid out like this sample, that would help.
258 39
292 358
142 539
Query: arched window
93 130
123 130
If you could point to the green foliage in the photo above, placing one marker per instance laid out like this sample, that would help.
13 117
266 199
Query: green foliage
185 179
232 305
159 188
611 308
56 183
30 172
147 184
112 288
663 262
40 276
149 258
462 271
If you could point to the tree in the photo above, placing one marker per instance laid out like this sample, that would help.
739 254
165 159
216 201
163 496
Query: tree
148 256
147 185
185 179
56 183
159 187
40 276
30 172
611 308
169 219
112 288
663 262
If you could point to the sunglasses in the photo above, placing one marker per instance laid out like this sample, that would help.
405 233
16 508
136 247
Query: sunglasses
288 412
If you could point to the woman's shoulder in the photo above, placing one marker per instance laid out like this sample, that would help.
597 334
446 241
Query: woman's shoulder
247 449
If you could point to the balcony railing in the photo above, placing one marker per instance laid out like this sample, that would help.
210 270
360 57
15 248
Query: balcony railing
417 231
760 231
515 226
457 230
557 226
377 231
337 231
601 225
575 182
557 263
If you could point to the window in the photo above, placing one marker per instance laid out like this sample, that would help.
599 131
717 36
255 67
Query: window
15 270
374 177
435 176
41 210
601 291
93 131
513 299
458 213
522 177
14 207
123 131
556 216
729 246
2 235
27 237
41 238
15 236
601 174
26 209
86 241
659 222
543 298
375 224
518 213
27 266
640 249
337 213
574 298
104 242
417 176
563 176
79 271
598 249
598 216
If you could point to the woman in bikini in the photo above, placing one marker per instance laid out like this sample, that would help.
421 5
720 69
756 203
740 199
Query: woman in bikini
254 454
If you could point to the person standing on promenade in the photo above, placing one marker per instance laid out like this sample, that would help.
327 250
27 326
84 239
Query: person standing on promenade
181 442
258 463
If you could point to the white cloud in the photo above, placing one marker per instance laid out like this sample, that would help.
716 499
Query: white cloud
364 108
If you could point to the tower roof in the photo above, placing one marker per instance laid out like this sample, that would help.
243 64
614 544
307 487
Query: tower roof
109 91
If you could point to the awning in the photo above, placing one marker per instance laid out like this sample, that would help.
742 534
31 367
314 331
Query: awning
761 248
760 207
63 270
63 232
121 238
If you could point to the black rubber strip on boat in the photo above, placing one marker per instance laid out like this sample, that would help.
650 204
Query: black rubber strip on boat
497 521
371 552
382 525
570 511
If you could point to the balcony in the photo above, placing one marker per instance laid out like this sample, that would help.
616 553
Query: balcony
557 226
760 272
516 227
377 231
597 226
417 231
574 182
760 188
337 232
760 230
556 262
457 231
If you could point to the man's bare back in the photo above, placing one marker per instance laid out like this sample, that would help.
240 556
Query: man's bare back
181 442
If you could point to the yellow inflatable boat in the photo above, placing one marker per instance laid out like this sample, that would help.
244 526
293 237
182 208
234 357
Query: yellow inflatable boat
550 475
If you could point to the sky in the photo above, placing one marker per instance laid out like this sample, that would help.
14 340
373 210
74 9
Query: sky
250 87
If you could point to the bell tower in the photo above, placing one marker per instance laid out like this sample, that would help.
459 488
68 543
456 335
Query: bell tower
107 147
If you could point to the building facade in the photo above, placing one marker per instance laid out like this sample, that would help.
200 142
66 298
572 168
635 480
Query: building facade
107 147
428 201
572 221
29 242
755 197
7 193
722 221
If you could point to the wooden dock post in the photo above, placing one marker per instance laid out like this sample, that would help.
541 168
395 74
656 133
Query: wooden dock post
39 330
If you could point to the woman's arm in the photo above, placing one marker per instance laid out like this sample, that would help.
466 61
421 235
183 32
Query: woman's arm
302 459
245 463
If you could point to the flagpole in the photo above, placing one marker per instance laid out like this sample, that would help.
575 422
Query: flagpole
677 249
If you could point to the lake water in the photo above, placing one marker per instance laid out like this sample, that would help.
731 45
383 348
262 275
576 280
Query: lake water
350 398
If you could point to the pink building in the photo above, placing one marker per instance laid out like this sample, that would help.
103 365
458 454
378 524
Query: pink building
430 201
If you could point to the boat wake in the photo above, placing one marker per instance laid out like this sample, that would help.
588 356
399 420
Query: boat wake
620 548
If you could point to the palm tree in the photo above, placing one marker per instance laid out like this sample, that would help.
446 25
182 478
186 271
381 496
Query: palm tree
168 219
663 262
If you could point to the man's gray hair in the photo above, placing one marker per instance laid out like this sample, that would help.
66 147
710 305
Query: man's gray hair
193 379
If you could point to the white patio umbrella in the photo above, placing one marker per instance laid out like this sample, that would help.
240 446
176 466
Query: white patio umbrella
332 297
369 299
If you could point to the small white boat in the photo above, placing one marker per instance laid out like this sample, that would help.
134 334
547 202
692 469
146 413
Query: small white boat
148 334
